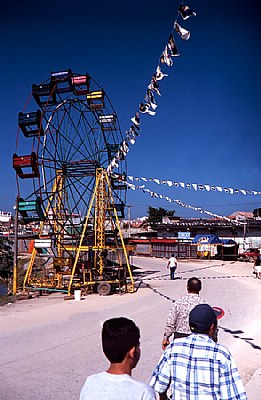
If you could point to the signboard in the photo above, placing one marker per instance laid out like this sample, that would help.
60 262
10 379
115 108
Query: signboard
183 235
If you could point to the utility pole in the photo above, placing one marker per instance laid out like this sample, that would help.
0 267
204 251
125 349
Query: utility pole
129 216
15 248
244 240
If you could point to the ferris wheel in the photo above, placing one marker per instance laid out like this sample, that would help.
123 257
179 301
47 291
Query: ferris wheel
72 135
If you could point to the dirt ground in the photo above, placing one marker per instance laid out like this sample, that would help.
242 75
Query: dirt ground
48 345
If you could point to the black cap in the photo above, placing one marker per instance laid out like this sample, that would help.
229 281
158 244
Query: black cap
201 318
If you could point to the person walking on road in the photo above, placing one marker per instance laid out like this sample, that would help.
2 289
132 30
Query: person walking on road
121 345
196 367
178 319
257 267
172 265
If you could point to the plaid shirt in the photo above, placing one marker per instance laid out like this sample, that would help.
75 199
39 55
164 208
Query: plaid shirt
178 319
198 368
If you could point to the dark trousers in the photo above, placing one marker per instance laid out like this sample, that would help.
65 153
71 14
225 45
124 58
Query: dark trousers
172 272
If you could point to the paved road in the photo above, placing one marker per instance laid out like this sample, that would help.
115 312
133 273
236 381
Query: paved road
48 346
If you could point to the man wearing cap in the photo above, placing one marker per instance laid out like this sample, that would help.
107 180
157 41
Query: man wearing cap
197 367
178 319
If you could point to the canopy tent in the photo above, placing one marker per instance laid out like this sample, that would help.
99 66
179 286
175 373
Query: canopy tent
206 239
228 242
209 246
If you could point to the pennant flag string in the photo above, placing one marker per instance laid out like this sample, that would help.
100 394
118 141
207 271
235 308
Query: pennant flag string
196 186
180 203
149 104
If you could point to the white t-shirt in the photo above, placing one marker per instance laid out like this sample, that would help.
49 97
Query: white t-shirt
173 262
107 386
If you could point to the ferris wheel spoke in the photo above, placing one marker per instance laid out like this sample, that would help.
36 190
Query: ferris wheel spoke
55 150
71 133
80 188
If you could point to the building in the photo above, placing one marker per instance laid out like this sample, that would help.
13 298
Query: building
236 233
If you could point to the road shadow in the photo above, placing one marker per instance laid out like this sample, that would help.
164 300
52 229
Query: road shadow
236 333
138 273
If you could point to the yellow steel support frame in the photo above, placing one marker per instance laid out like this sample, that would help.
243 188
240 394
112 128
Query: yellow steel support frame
104 203
100 215
57 187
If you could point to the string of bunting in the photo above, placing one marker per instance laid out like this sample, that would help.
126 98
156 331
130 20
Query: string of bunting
195 186
180 203
149 104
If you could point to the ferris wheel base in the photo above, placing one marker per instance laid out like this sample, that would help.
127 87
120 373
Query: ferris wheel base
101 287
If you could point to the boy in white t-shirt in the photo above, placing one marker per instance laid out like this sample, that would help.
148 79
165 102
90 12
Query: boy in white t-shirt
121 345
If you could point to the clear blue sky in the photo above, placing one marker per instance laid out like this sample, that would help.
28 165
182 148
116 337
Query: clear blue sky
207 126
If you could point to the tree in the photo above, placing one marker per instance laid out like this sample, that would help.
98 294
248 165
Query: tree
6 258
257 212
156 214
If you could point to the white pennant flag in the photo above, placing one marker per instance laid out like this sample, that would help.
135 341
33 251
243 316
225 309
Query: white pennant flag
131 185
114 163
159 74
125 146
172 46
150 98
136 119
186 12
166 58
145 108
131 137
183 33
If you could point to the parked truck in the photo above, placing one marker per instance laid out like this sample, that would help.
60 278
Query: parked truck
249 254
